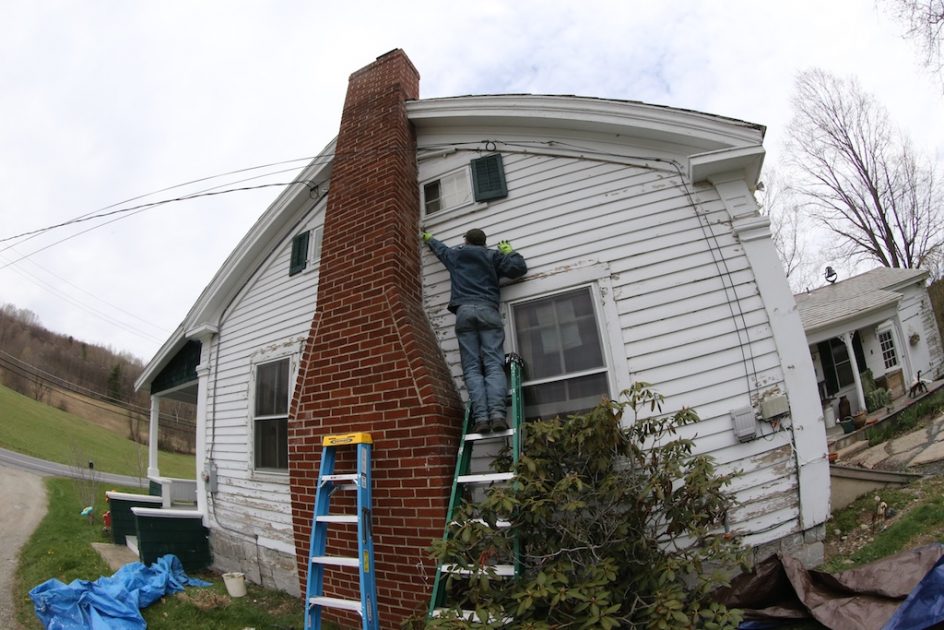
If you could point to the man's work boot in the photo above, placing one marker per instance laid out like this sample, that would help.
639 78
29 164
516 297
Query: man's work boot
481 425
498 422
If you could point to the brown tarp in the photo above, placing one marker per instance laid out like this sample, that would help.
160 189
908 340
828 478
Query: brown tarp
780 588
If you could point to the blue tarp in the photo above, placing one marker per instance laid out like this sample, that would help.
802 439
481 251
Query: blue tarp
110 603
924 606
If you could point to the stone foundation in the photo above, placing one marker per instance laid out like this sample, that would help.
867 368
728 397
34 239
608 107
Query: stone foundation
270 568
806 546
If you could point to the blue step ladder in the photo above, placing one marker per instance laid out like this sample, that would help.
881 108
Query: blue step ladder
463 480
328 483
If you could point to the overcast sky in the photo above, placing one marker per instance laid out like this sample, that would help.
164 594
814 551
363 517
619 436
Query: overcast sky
106 101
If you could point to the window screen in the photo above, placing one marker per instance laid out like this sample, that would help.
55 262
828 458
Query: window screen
271 415
565 367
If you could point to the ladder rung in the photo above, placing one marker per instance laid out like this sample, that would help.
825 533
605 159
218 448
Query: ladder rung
486 477
344 477
470 437
336 518
340 561
501 570
334 602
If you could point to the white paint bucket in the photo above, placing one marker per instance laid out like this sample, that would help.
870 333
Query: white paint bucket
235 584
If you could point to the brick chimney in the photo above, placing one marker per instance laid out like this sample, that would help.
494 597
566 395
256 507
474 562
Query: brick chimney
372 362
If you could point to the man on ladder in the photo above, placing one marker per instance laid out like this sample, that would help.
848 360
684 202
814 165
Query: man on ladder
475 272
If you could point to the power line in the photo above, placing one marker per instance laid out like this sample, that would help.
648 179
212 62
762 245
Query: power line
27 370
165 189
85 307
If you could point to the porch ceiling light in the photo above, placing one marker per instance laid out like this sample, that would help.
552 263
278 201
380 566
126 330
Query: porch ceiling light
831 275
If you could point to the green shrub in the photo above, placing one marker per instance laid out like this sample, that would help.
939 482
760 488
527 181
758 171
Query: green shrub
616 527
877 398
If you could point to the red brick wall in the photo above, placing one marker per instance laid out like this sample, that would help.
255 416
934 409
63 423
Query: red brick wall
372 362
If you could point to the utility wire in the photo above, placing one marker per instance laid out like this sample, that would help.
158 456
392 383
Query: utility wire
27 370
82 217
85 307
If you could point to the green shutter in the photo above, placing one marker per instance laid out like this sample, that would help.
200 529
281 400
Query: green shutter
488 178
299 253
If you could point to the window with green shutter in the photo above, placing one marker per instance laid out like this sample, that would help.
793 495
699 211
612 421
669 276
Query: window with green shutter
488 178
299 253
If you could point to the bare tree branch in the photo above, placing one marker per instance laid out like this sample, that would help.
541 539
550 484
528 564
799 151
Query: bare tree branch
860 179
924 23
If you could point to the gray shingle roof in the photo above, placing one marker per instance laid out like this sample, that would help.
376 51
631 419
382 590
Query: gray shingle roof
846 299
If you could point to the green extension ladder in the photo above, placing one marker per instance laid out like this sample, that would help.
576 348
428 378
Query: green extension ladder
462 481
328 483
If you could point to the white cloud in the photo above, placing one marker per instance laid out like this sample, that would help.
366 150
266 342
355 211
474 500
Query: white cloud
105 101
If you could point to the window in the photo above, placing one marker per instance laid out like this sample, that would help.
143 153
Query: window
488 178
305 246
271 415
447 192
558 337
887 343
842 363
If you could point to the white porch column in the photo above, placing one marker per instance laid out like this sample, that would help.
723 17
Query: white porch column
153 427
860 394
205 336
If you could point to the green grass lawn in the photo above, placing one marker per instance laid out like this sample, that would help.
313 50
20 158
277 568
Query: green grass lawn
61 548
32 428
919 520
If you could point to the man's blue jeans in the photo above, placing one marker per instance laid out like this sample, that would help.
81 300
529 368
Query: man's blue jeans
481 338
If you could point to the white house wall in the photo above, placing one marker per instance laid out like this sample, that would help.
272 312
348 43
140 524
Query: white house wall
689 313
270 317
917 317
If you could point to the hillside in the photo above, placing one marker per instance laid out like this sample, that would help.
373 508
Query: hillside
36 429
88 380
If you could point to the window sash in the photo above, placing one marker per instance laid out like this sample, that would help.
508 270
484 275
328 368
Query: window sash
842 363
887 345
449 191
271 443
559 337
270 417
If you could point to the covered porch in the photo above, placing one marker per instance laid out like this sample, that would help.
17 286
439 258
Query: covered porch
171 518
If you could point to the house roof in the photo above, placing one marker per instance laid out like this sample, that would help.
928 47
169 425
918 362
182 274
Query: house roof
848 299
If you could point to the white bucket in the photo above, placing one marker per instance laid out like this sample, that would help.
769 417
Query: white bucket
235 584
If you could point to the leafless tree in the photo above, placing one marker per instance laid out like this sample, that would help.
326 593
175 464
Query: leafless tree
789 229
860 177
924 23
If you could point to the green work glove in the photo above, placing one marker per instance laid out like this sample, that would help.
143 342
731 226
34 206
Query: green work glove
505 247
426 236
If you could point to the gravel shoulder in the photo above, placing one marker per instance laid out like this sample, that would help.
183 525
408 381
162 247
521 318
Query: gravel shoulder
23 497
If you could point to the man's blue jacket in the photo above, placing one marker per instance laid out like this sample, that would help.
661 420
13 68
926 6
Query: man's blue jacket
475 271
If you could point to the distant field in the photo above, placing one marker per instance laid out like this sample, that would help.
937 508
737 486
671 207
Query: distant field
35 429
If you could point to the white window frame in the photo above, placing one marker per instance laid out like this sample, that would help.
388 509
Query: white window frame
468 203
291 352
892 347
595 276
313 255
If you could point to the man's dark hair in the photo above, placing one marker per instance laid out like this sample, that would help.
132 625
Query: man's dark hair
475 236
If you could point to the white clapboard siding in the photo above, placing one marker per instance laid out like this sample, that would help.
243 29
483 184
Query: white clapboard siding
692 319
271 314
